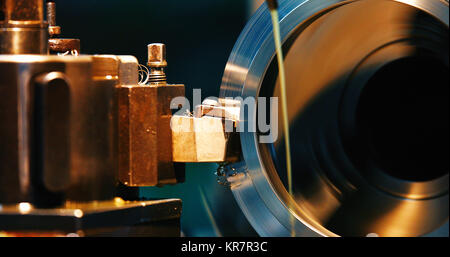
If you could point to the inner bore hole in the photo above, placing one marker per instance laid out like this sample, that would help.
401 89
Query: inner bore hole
403 113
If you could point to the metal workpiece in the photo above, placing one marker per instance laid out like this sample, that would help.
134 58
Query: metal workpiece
23 23
22 12
93 132
58 115
145 152
64 46
339 187
157 62
42 113
144 146
156 55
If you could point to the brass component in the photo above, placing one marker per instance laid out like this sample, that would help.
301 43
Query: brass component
156 55
106 67
54 30
64 45
145 152
209 136
51 19
34 121
203 140
23 30
157 62
23 11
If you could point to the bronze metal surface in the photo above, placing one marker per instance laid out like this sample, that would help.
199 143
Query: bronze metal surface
63 45
145 148
113 218
28 127
23 29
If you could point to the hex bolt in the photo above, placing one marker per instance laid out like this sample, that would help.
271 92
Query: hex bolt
51 13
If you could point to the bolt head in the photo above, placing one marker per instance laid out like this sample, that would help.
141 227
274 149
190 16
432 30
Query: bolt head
157 55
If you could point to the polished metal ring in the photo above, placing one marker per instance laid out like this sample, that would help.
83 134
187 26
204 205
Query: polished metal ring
262 195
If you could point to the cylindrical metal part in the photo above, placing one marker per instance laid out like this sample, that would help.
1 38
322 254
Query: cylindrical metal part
156 55
94 133
64 46
51 13
367 87
157 62
23 11
23 30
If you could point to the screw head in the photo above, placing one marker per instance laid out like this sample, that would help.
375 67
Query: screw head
156 55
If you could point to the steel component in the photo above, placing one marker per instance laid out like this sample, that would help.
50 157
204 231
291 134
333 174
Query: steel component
332 194
156 55
144 135
209 135
112 218
23 23
145 152
35 91
157 62
64 46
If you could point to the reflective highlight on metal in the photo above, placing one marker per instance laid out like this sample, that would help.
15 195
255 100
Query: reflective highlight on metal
335 51
22 23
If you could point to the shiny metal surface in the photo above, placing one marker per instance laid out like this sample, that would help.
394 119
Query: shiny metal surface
53 29
329 43
156 61
26 175
144 138
23 23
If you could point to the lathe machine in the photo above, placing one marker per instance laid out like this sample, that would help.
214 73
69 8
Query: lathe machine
367 94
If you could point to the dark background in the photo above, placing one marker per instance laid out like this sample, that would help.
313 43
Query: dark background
199 34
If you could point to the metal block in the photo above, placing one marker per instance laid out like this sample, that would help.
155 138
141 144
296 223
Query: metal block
145 149
203 139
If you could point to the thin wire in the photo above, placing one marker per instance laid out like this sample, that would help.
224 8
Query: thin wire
144 74
277 38
73 52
